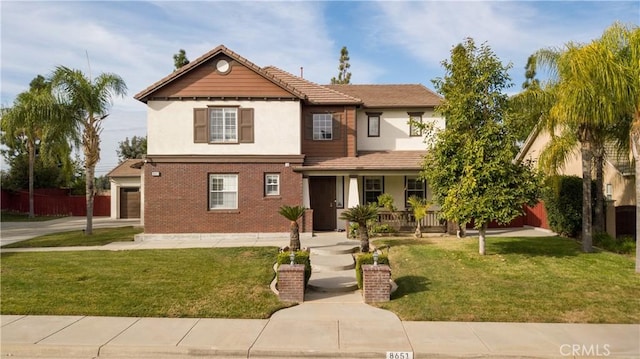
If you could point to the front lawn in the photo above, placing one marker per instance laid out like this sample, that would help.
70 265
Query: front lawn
519 280
100 237
215 283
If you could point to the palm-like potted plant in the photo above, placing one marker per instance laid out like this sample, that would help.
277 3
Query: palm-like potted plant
419 207
293 214
361 214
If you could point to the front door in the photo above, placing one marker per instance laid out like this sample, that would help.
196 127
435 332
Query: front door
322 194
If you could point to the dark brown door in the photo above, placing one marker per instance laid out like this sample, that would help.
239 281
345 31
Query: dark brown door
322 195
129 202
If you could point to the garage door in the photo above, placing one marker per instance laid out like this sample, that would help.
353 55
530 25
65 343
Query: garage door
129 202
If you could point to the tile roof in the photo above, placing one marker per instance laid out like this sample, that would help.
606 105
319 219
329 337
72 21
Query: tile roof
315 94
368 160
144 94
386 96
128 168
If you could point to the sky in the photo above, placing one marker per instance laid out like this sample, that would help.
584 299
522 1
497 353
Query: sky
388 41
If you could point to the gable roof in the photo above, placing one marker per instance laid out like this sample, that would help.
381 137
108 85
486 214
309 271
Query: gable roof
128 168
315 94
146 93
391 96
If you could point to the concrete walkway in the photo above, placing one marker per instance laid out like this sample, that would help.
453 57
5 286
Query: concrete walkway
326 325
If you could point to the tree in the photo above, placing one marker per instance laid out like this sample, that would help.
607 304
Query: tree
362 214
419 207
470 164
592 98
134 148
37 122
180 59
90 98
293 214
344 76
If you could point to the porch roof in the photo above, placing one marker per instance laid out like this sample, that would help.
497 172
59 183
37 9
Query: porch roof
367 160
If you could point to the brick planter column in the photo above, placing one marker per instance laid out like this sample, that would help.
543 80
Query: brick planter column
291 282
375 283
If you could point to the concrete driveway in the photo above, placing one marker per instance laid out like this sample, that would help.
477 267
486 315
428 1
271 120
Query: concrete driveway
11 232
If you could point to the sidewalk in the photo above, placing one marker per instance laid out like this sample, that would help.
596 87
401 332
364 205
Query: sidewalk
326 325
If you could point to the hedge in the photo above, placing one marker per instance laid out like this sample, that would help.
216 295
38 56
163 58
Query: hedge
367 258
302 257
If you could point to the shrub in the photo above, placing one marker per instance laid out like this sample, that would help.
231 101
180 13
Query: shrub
367 258
622 245
376 228
562 197
385 200
302 257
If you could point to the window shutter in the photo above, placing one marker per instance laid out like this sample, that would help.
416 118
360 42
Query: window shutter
245 126
337 125
200 128
308 126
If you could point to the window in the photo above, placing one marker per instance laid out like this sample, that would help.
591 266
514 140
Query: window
223 124
272 184
415 187
415 118
372 189
373 124
223 191
322 126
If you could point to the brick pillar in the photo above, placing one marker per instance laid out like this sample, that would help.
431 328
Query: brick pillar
291 282
375 283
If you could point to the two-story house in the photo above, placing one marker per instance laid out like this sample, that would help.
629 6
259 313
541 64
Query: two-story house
230 142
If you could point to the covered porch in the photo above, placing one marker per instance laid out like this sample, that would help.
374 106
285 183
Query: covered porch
330 186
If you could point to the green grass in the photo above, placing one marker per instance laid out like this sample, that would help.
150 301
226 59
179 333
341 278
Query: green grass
100 237
24 217
215 283
519 280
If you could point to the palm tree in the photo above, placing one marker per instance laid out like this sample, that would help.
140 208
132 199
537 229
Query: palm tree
362 214
91 99
293 214
41 124
419 207
583 107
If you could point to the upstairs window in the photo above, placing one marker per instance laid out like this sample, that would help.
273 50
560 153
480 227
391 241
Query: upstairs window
373 124
415 118
223 125
322 126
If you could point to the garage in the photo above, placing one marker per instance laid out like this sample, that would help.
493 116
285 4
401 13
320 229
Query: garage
126 193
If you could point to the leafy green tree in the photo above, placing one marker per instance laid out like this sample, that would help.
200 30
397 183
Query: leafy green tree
180 59
91 99
344 76
362 214
37 121
293 213
470 165
595 92
130 149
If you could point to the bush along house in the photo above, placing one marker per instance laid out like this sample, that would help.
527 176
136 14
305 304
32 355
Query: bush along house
230 142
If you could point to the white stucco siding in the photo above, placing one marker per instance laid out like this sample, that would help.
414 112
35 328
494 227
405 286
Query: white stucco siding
276 128
394 130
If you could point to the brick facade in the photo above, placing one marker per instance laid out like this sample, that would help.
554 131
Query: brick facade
177 198
375 283
291 282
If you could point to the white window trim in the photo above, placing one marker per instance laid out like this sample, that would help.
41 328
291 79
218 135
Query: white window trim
275 176
224 110
224 190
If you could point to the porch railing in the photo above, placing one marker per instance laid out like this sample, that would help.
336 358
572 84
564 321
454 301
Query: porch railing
404 221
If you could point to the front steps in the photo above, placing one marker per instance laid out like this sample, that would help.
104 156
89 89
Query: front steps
333 269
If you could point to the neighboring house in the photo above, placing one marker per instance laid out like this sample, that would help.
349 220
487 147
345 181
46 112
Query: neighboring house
619 176
230 142
126 186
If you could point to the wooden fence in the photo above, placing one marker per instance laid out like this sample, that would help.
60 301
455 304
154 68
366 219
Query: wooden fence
54 202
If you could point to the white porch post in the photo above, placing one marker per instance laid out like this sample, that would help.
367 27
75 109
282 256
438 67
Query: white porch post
353 198
306 201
